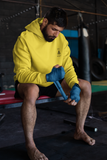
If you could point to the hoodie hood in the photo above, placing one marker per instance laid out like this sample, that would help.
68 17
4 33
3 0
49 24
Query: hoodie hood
34 27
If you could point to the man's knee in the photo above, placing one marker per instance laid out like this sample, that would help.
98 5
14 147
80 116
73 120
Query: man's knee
85 87
29 92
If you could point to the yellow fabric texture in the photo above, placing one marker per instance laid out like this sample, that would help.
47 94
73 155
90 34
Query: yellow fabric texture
34 57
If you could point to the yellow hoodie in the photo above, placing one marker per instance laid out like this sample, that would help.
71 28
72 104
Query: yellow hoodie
34 57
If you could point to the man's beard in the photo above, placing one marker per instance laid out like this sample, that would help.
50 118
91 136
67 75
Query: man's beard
46 36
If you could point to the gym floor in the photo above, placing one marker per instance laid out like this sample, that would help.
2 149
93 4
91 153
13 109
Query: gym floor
52 135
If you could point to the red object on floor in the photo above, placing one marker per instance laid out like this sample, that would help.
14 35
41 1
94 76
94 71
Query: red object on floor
7 97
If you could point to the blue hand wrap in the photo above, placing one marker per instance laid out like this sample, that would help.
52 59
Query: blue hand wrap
75 93
59 87
55 75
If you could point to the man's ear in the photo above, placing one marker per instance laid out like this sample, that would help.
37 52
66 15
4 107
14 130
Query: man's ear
45 22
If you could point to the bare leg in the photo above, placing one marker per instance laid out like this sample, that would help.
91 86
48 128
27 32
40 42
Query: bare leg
81 109
29 92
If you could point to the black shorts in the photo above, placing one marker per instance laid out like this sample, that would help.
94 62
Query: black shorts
47 91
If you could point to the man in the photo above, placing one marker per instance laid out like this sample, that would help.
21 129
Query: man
41 56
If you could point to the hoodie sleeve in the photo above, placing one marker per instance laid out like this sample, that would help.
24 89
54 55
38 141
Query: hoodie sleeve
70 74
22 64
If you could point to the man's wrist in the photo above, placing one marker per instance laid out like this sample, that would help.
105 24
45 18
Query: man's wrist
75 92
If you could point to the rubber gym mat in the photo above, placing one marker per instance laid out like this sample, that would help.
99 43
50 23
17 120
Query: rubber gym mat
98 88
61 147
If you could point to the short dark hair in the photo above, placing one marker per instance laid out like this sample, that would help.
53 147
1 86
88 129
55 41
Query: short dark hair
58 16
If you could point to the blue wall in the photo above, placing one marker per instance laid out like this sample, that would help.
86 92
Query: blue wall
70 33
73 43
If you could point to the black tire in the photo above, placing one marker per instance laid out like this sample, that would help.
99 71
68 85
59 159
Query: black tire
98 69
75 64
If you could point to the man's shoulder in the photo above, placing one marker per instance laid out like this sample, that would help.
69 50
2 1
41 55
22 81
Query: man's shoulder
26 34
62 38
62 35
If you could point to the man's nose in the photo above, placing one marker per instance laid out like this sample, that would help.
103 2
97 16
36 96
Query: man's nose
56 33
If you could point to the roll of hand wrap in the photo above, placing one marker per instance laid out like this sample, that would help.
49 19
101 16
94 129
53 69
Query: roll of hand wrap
75 93
59 87
55 75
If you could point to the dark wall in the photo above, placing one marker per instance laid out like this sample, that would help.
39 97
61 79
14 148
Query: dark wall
10 29
15 16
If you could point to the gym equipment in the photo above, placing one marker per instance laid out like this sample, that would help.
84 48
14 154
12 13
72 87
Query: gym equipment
7 98
75 64
105 55
84 53
2 115
94 129
98 69
1 89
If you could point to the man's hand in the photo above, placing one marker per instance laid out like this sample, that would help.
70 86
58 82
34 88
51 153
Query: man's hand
74 95
56 74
